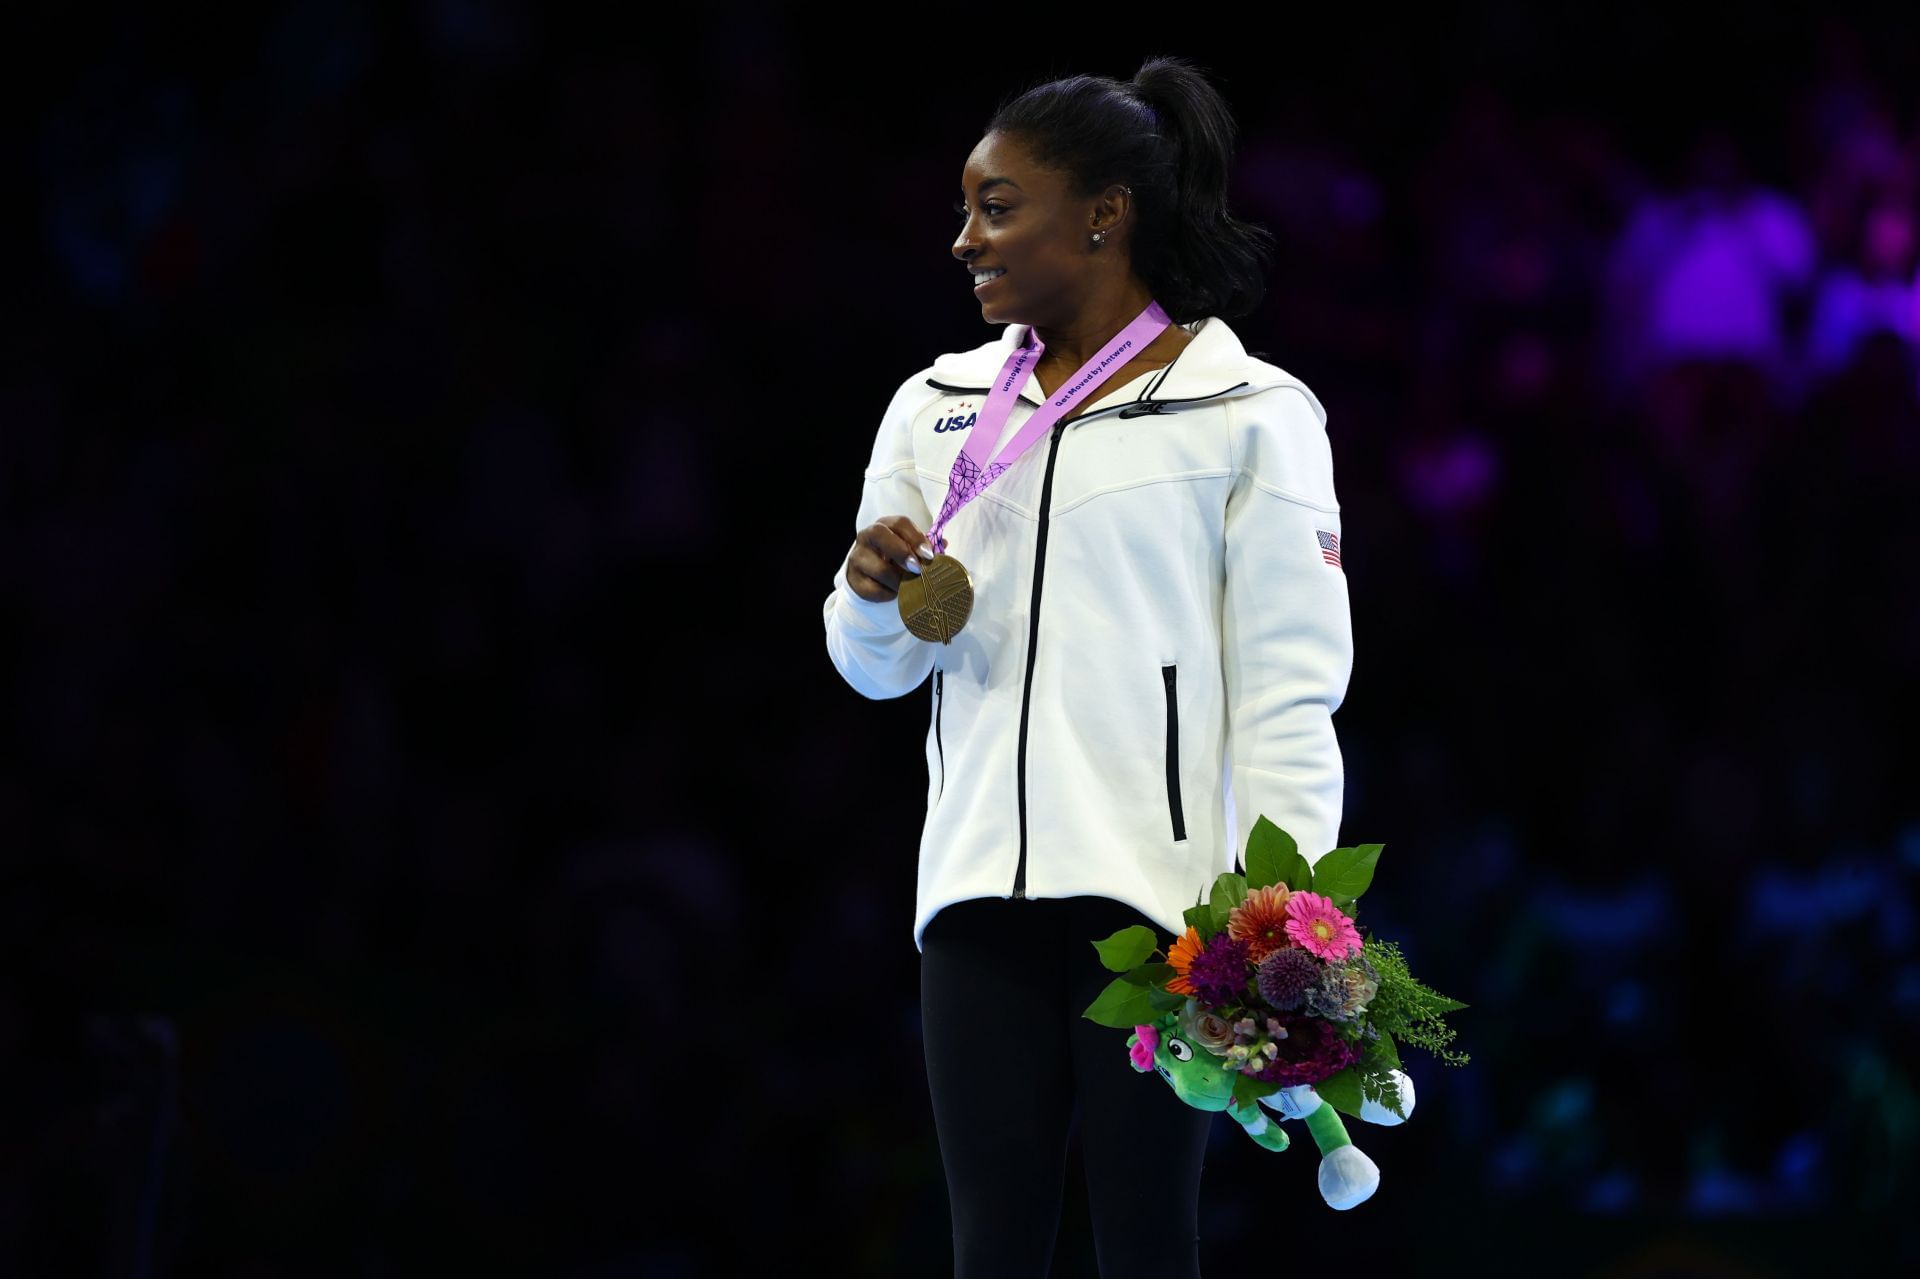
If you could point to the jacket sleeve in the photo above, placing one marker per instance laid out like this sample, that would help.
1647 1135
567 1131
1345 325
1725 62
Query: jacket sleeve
869 644
1285 626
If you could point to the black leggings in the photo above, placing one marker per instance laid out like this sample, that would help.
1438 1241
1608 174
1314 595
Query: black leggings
1010 1060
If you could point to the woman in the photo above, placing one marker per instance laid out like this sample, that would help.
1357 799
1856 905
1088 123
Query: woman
1157 640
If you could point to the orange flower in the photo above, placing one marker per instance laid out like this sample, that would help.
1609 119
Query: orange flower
1184 952
1260 921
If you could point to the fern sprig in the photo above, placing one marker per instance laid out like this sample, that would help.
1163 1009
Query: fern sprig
1407 1010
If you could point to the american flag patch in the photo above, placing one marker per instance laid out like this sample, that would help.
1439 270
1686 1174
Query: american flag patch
1329 547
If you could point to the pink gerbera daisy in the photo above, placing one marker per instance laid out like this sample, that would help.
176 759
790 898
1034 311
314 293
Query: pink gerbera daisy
1317 924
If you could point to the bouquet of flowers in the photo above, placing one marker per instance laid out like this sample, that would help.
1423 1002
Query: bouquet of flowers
1275 986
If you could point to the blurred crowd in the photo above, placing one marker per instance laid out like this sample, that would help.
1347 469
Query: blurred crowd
436 835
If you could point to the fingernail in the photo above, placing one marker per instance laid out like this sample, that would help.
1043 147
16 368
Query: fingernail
913 565
926 550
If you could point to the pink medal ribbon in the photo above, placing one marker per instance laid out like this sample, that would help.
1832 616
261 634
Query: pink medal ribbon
972 472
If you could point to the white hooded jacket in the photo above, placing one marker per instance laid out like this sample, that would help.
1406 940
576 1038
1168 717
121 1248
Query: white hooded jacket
1159 637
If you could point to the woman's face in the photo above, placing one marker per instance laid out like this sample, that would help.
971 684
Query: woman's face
1020 218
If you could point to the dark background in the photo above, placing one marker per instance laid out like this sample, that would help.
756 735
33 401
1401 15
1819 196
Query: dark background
435 837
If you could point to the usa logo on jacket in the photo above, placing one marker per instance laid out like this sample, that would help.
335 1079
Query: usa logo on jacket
959 420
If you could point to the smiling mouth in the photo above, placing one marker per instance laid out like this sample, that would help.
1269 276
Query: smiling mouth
981 284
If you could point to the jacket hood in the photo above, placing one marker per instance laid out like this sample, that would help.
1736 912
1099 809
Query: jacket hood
1214 364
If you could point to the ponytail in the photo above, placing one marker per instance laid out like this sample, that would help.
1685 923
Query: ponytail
1170 136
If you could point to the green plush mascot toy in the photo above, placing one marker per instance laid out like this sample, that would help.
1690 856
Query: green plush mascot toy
1205 1082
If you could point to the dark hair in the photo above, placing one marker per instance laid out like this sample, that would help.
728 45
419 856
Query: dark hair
1169 135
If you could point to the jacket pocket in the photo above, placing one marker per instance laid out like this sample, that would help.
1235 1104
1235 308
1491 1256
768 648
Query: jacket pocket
1167 675
938 697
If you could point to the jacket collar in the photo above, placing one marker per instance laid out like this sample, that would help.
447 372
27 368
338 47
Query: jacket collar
1211 366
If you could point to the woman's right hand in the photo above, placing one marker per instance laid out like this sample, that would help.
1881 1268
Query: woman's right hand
883 553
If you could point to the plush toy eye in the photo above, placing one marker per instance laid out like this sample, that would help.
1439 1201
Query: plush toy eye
1181 1050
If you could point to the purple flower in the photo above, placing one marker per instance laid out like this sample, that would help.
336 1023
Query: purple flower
1312 1050
1286 976
1219 973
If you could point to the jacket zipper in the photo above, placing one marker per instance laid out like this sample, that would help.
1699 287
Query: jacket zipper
1173 755
1033 636
937 673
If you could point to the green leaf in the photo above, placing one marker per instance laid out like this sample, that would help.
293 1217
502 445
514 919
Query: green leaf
1342 1091
1165 1000
1383 1055
1346 872
1277 856
1127 948
1147 974
1200 918
1121 1005
1268 852
1229 890
1247 1090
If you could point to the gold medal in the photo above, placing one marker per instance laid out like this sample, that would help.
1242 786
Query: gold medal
934 603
